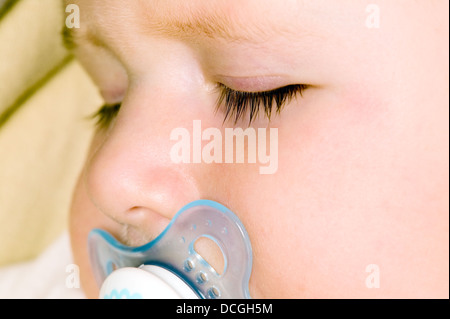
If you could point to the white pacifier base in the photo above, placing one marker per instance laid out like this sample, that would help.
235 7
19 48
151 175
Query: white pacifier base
145 282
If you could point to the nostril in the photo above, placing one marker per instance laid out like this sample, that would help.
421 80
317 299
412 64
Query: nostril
141 225
136 212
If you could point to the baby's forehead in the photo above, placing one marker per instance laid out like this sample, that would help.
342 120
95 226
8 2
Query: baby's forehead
232 20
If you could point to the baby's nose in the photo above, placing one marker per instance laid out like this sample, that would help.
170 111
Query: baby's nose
138 188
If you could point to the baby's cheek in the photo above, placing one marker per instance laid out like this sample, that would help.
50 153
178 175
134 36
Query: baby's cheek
332 171
329 143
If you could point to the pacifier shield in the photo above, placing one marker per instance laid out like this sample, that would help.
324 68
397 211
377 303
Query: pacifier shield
174 250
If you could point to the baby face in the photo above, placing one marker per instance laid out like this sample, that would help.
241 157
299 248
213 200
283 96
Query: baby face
357 95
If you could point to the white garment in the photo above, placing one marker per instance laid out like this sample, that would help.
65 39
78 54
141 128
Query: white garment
50 276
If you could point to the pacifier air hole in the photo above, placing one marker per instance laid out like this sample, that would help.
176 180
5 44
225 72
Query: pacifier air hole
209 250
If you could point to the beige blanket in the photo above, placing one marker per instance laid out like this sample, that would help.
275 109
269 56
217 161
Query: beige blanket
45 97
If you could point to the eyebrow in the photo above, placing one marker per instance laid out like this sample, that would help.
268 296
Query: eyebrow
211 25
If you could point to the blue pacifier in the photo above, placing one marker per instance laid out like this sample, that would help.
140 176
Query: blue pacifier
169 266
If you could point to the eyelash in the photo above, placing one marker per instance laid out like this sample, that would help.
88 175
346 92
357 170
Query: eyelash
235 103
105 115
